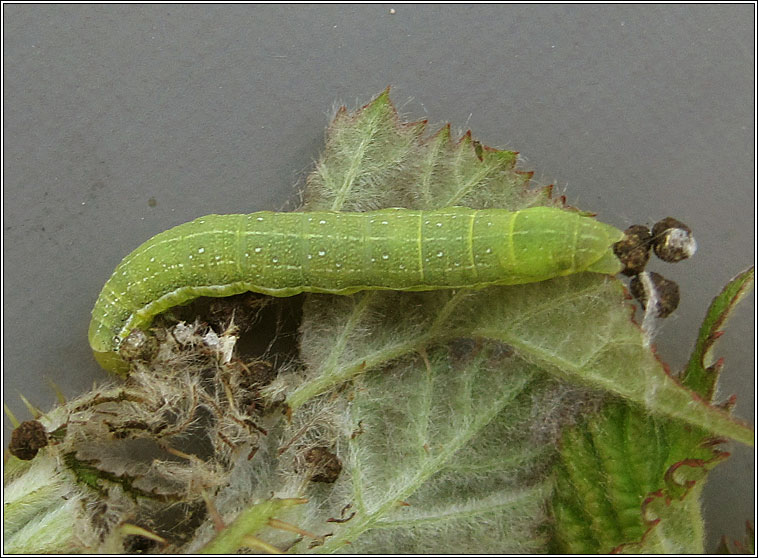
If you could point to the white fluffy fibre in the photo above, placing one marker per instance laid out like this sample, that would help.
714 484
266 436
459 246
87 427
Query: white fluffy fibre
650 319
680 239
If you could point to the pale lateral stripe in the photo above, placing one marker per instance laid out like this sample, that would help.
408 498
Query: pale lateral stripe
170 240
573 246
471 244
420 245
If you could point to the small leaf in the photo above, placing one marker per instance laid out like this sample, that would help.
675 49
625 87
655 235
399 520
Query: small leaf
629 482
746 546
438 424
237 534
701 373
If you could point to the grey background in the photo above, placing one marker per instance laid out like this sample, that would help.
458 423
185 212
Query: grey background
636 112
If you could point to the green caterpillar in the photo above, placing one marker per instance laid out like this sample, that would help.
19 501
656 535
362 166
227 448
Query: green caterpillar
283 254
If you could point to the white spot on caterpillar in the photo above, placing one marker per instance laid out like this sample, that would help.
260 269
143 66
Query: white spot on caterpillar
278 237
322 222
650 318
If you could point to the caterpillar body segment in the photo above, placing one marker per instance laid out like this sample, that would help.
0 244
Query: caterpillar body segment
284 254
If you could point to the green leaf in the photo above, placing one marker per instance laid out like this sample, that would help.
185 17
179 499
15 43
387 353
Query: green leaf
504 420
746 546
630 482
577 327
39 508
240 533
701 373
451 437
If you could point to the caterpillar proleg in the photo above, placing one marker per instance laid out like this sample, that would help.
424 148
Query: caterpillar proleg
284 254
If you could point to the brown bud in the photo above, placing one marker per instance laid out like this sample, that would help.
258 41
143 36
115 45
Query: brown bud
666 292
326 465
138 345
673 240
27 439
634 249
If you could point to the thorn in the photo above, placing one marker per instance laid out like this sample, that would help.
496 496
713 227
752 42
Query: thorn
715 335
179 453
218 522
131 529
58 393
284 526
36 413
14 421
294 501
728 404
254 542
716 368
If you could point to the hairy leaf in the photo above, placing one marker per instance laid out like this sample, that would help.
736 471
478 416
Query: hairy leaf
515 419
450 403
631 482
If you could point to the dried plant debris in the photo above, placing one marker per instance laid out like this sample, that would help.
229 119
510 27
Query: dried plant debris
651 288
634 249
672 240
27 439
381 422
156 446
325 465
